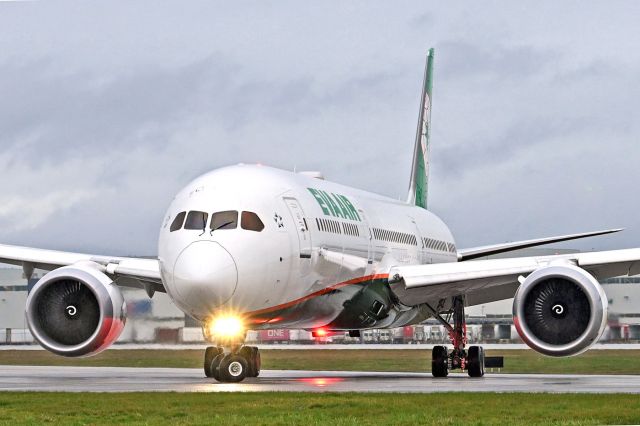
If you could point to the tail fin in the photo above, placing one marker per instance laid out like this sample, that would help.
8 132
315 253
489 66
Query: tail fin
418 188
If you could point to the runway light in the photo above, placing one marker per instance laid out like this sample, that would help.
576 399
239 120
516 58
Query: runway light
226 326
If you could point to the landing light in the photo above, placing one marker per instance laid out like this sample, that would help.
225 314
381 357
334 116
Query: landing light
226 326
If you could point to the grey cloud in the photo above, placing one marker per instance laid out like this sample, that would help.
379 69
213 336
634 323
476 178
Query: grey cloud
81 111
113 107
514 139
497 62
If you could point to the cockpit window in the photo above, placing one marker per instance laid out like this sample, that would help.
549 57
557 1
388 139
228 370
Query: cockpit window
177 222
224 220
251 222
196 220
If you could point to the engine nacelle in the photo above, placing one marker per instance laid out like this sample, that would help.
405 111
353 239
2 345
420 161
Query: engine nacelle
75 311
560 310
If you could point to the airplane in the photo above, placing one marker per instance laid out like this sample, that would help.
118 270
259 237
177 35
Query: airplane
250 247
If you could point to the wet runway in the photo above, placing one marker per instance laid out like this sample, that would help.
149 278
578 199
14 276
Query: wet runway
120 379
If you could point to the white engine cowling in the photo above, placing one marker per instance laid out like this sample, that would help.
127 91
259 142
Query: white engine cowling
75 311
560 310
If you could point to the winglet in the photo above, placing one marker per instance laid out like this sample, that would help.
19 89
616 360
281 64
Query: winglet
476 252
418 187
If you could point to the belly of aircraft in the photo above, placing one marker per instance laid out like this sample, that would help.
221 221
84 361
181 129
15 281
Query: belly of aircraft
368 304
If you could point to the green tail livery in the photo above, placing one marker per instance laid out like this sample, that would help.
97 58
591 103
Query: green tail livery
418 188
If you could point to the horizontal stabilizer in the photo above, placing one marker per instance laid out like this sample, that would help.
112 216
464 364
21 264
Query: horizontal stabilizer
476 252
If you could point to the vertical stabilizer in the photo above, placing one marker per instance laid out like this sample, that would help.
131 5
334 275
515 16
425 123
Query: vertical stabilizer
418 188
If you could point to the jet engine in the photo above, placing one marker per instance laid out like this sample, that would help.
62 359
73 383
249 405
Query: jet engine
560 310
75 311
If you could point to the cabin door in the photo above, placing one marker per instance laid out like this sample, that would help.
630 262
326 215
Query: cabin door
302 227
421 252
368 236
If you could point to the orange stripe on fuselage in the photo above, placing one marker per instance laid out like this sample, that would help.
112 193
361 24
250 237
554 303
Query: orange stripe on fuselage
319 293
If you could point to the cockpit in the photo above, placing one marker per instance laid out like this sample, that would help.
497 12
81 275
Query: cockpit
223 220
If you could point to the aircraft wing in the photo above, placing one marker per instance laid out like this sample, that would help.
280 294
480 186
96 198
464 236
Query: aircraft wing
125 271
483 281
476 252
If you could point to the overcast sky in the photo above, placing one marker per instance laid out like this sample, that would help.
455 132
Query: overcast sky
107 110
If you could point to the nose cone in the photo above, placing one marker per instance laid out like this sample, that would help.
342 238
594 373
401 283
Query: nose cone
205 276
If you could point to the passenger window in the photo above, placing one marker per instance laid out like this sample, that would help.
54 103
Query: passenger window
251 222
177 222
224 220
196 220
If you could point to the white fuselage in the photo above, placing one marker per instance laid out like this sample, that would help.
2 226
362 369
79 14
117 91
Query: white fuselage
321 244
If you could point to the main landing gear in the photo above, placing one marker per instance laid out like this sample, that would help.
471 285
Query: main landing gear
231 366
442 361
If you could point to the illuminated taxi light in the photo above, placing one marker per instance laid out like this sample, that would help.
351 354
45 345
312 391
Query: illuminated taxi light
226 326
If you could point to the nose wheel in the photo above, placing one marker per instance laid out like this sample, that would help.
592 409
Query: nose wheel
231 366
209 354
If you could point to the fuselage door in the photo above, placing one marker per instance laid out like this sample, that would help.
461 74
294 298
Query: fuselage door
302 227
420 254
368 236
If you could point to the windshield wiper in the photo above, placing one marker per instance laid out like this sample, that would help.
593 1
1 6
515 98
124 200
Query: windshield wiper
221 226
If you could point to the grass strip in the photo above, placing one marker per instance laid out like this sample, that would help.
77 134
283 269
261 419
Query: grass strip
310 409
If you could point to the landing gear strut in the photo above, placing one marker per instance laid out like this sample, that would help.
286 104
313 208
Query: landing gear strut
443 361
232 365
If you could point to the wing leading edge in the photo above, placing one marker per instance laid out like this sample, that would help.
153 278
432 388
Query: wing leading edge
476 252
125 271
485 281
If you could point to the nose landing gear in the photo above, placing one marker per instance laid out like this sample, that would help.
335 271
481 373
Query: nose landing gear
471 360
232 365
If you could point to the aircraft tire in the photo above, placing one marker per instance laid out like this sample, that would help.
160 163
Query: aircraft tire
252 355
257 362
215 363
475 361
232 369
439 362
209 354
